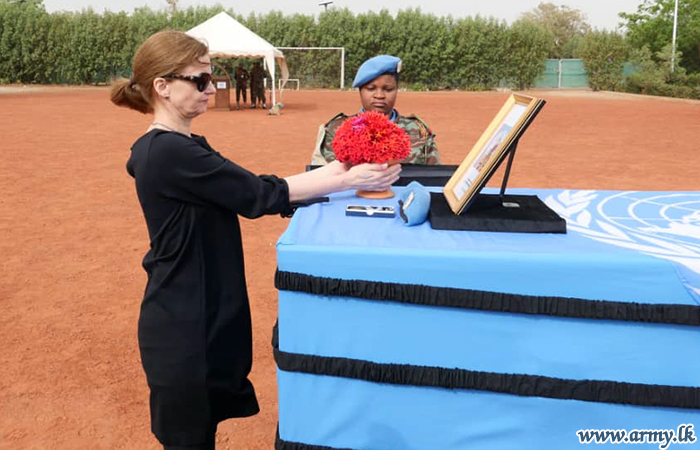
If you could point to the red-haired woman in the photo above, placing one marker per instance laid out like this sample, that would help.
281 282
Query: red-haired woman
194 328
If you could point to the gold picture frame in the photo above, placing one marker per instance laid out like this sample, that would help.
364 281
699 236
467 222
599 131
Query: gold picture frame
490 150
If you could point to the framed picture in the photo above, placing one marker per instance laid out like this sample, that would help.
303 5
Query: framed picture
489 151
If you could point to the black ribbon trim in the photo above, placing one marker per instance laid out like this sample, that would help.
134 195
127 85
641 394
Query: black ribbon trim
287 445
515 384
489 301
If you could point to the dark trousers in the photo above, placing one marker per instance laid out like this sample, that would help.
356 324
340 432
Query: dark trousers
240 89
209 445
257 94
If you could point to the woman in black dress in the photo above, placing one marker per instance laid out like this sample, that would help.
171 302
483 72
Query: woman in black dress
194 328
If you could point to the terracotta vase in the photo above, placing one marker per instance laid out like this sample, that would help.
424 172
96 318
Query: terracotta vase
378 195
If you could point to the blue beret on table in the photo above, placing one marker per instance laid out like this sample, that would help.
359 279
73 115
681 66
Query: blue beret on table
414 204
373 67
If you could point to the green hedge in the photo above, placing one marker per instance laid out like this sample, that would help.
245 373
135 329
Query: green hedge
653 75
438 52
604 54
37 47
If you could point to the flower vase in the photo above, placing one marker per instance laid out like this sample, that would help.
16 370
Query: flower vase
375 195
378 195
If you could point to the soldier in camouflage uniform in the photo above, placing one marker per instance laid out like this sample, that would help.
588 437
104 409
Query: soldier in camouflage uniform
423 148
241 75
377 80
257 85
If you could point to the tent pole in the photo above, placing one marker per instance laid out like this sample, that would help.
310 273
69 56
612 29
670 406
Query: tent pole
274 97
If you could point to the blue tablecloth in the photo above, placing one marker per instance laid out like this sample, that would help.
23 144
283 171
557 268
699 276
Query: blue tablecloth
636 253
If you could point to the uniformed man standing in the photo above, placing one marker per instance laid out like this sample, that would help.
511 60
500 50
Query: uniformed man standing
241 76
378 80
257 85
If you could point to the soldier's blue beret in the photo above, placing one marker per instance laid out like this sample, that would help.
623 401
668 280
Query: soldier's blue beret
373 67
414 204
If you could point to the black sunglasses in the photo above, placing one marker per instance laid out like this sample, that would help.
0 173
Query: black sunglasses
202 81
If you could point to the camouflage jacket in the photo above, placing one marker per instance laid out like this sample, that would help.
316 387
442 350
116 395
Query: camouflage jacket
423 147
257 75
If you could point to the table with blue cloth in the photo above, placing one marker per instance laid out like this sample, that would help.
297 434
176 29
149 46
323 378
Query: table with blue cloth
408 338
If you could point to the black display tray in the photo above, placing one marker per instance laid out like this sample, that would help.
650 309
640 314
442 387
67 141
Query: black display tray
488 213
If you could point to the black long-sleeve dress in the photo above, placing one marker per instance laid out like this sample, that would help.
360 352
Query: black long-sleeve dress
194 329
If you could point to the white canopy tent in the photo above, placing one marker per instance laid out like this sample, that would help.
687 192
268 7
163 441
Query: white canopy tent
227 38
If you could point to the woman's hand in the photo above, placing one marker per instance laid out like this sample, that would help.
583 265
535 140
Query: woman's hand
336 176
371 177
335 168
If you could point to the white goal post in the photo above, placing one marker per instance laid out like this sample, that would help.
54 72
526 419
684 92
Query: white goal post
342 58
289 80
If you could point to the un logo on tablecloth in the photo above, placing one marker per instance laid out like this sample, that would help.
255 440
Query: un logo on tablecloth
664 225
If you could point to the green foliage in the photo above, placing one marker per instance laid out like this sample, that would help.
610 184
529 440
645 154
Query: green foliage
604 54
420 40
438 52
653 75
418 86
191 17
97 47
22 40
527 46
570 49
566 25
479 58
652 26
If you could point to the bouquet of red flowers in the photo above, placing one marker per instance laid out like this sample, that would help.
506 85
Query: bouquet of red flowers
370 137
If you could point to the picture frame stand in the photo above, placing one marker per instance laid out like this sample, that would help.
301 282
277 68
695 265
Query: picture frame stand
498 212
511 156
462 206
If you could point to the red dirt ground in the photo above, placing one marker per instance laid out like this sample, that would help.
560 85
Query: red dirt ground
72 235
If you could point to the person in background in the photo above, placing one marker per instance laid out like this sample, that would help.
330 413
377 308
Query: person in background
241 75
194 328
257 85
378 82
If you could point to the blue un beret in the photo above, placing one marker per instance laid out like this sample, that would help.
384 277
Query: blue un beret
414 204
373 67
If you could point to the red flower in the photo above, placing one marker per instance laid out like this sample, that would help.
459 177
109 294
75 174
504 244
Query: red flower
370 137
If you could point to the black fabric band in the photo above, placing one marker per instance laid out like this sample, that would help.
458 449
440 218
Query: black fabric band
514 384
286 445
489 301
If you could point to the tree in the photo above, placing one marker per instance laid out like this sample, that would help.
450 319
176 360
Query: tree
653 76
23 30
172 6
33 2
420 39
478 58
652 26
527 45
604 54
566 25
